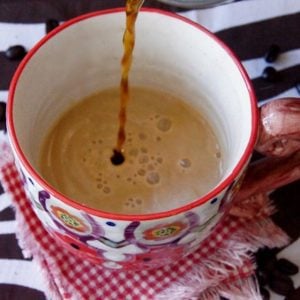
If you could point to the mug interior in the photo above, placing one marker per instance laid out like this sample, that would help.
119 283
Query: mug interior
171 54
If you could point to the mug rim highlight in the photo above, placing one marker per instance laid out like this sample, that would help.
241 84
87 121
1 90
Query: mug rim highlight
116 216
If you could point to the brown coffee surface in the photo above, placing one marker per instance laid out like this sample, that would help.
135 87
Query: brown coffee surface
172 154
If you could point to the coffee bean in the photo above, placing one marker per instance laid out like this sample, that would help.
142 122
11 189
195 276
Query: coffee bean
265 294
270 74
286 267
16 52
294 295
281 284
272 53
266 259
51 24
263 255
2 111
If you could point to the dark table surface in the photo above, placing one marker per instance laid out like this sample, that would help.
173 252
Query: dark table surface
249 37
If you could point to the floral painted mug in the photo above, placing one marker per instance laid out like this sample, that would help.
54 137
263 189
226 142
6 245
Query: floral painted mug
172 53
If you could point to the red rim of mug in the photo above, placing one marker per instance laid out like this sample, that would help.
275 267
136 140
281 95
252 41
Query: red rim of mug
221 186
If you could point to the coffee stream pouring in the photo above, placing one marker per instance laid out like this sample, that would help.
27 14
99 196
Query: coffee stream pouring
132 9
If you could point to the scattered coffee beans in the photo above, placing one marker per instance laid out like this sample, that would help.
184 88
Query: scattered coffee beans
51 24
286 267
274 273
281 284
272 53
270 74
16 52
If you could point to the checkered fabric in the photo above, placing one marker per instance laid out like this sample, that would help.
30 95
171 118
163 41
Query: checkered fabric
70 277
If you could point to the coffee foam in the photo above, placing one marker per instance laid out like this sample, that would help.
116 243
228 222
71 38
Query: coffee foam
164 166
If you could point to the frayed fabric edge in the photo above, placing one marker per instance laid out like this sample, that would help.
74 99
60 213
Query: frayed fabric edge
26 242
202 283
211 279
245 289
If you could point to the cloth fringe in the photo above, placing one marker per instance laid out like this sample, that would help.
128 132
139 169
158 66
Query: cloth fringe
6 154
246 289
31 249
212 278
207 281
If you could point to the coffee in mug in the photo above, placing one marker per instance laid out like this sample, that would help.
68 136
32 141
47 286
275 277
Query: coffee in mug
172 154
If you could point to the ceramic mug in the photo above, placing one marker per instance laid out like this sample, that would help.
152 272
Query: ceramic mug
172 53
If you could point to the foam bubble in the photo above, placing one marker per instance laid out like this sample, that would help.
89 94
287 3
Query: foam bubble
144 150
99 185
158 138
185 163
106 190
218 154
159 160
141 172
153 178
143 159
164 124
133 202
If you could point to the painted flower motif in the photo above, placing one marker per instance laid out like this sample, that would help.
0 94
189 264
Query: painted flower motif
164 231
199 233
69 220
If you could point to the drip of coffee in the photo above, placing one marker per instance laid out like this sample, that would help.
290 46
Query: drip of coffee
132 9
117 158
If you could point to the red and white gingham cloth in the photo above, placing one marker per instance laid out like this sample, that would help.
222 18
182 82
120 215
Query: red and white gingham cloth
70 277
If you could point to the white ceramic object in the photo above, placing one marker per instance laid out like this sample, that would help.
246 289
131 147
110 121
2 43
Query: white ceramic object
172 53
